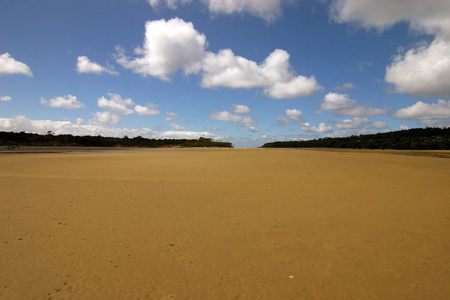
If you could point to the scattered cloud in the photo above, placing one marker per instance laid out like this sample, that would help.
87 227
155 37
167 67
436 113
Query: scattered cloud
236 119
69 102
149 110
105 118
240 109
174 45
294 114
356 123
169 46
84 65
116 104
177 127
422 70
322 128
345 87
381 126
274 75
268 10
9 65
227 116
424 111
341 105
282 121
5 98
404 127
22 123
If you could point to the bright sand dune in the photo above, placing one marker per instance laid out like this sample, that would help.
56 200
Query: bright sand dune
224 224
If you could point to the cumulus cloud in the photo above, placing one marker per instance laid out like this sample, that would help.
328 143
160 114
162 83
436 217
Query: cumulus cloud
269 10
169 46
236 119
69 102
322 128
5 98
105 118
22 123
150 110
345 87
424 111
9 65
174 45
227 116
177 127
422 70
84 65
429 16
282 121
274 75
381 126
240 109
340 104
356 123
294 114
116 104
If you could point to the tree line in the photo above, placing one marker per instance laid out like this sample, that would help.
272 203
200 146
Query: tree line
17 139
411 139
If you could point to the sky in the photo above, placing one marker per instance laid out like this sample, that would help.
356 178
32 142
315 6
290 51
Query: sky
243 71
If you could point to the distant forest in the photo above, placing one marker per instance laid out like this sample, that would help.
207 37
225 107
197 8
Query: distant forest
17 139
411 139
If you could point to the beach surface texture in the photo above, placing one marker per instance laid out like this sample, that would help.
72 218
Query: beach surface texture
224 224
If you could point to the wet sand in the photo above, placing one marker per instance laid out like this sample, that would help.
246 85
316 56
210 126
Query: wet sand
224 224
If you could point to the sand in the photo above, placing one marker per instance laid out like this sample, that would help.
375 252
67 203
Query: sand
224 224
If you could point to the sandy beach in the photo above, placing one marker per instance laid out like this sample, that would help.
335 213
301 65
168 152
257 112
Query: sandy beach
224 224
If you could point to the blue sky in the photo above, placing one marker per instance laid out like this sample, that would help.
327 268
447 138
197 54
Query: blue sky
245 71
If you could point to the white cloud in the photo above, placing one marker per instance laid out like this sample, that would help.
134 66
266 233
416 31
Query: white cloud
428 16
225 69
84 65
294 114
116 104
69 101
149 110
322 128
177 127
240 109
356 123
340 104
105 118
169 46
236 119
171 114
282 121
9 65
174 45
422 71
404 127
346 86
269 10
383 126
251 127
5 98
226 116
21 123
424 111
173 4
